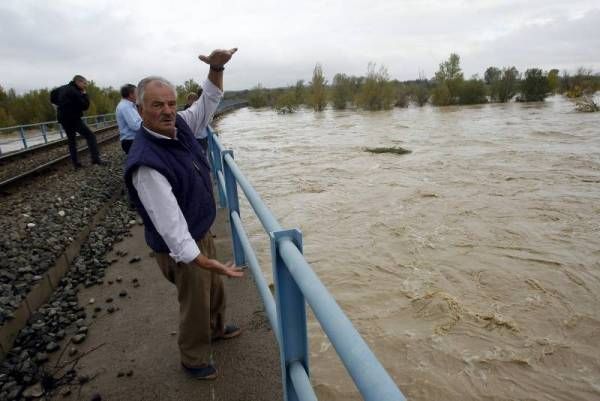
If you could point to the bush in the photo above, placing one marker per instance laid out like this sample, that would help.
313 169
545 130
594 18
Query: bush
440 95
504 88
257 97
402 96
535 86
341 91
582 83
449 80
419 94
286 102
472 92
299 92
377 92
318 98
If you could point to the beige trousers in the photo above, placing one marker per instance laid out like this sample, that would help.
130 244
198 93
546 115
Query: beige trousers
201 303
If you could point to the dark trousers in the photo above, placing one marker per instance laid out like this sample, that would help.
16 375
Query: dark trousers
71 129
126 144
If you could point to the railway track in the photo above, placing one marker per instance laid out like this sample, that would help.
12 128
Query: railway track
34 168
19 166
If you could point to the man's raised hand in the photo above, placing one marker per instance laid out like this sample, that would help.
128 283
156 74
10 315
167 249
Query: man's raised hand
218 57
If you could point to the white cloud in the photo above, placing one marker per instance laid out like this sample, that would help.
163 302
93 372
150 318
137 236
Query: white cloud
113 42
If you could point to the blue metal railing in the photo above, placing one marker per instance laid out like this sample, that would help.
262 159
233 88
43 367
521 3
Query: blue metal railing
296 284
22 137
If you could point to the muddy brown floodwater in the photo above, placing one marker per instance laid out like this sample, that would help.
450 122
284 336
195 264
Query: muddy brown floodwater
470 266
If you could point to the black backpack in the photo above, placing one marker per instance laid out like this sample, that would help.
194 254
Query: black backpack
55 95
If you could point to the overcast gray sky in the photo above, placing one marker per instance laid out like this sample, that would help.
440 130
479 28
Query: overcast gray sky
44 43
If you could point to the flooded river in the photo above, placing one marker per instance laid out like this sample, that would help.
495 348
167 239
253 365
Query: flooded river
470 266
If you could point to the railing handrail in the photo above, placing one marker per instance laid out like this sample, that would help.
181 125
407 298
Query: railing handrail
16 127
296 283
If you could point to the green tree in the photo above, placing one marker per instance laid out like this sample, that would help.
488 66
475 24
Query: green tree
35 107
341 91
299 93
5 119
286 102
318 96
440 96
535 86
553 80
449 78
189 86
472 91
491 75
257 97
376 92
582 83
402 97
503 89
419 93
101 101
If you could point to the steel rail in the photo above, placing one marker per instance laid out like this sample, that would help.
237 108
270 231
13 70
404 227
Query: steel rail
24 153
46 166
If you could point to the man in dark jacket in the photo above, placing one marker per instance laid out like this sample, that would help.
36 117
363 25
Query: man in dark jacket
72 102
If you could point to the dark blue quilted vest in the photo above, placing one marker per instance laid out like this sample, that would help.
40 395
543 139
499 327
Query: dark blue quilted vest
184 165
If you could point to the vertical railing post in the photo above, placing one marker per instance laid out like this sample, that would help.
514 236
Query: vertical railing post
211 151
23 139
60 130
97 123
44 133
216 166
234 206
291 312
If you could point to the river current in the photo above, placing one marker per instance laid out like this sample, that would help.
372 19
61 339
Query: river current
471 266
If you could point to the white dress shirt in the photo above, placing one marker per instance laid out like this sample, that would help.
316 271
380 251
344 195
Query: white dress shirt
155 192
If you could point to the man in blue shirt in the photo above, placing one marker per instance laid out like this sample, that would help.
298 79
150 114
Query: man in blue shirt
128 118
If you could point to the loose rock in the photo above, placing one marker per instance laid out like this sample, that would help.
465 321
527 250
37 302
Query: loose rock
35 391
78 339
52 347
41 357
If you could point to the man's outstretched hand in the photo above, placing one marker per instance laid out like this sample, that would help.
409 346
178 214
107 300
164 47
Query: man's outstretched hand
218 57
228 269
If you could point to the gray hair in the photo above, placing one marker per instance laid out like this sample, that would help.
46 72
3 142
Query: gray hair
141 87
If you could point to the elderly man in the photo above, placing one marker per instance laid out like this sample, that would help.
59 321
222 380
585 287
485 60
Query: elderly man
167 176
128 118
